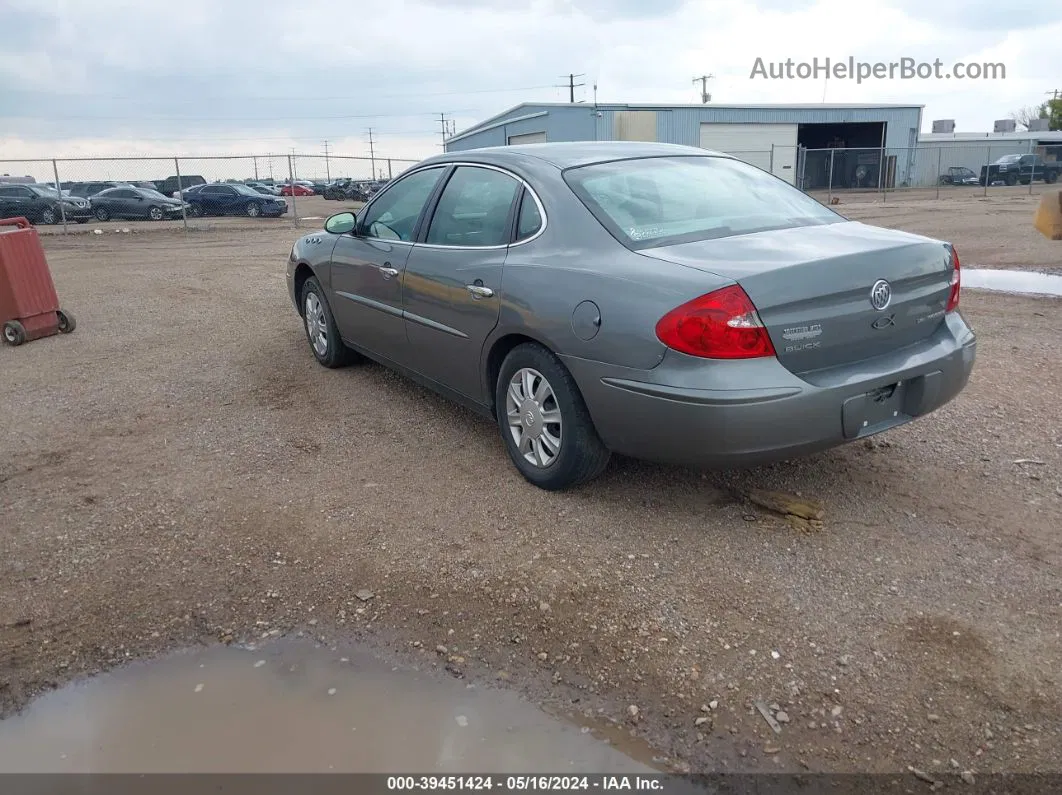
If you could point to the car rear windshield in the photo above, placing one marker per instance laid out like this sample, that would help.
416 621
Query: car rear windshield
1009 159
660 201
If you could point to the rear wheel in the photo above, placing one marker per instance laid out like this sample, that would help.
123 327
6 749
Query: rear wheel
102 214
66 322
14 333
48 216
544 421
321 330
1051 177
155 214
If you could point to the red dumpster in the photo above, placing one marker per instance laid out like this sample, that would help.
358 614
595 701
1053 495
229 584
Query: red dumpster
29 305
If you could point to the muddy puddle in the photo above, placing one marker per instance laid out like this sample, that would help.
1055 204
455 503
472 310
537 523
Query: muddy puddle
291 707
1017 282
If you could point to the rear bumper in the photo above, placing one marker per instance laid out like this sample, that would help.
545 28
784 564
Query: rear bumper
687 411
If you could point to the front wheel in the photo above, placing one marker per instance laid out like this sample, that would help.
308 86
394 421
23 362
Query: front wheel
253 210
1011 180
155 214
48 216
1051 178
544 421
102 214
195 209
14 333
321 330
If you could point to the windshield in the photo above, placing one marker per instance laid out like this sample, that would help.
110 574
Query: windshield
1009 159
660 201
49 189
151 194
245 190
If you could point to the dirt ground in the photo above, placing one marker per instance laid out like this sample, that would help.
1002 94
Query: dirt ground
180 471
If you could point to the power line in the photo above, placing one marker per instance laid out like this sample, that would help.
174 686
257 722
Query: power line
571 85
222 119
199 99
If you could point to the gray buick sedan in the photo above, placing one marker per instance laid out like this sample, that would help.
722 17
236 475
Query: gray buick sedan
662 302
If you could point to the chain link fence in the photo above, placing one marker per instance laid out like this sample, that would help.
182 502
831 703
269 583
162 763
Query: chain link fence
933 170
108 194
207 192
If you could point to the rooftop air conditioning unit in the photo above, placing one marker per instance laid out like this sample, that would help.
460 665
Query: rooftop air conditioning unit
944 126
1039 125
1004 126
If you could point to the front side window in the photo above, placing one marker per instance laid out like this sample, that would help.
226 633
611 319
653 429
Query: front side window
474 209
660 201
393 216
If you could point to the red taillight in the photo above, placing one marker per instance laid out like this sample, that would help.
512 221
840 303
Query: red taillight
720 325
953 296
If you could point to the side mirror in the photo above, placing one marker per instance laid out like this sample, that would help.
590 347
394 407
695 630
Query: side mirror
341 223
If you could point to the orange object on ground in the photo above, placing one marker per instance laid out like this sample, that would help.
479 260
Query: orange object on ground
1048 218
29 305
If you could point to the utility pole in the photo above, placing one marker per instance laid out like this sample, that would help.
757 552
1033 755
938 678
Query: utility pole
372 155
703 80
328 173
445 129
571 85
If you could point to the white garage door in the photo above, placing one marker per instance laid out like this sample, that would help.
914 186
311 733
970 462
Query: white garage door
752 143
528 138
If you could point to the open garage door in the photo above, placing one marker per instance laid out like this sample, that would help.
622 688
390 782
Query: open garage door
753 143
528 138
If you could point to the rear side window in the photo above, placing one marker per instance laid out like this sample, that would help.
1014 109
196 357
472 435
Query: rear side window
660 201
474 209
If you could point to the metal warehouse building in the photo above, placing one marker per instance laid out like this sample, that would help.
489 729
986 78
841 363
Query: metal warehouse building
791 141
937 152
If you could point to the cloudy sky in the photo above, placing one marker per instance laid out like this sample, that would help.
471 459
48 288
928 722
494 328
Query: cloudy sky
113 77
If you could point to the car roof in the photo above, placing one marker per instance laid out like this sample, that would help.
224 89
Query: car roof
570 154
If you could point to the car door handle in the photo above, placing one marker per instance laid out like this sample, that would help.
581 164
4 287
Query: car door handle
479 291
388 272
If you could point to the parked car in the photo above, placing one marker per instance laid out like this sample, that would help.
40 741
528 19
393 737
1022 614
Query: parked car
1012 169
295 190
41 204
318 186
660 302
170 185
959 175
265 190
131 202
86 190
219 198
337 189
146 185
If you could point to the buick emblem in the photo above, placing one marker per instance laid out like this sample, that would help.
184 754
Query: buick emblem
880 295
529 419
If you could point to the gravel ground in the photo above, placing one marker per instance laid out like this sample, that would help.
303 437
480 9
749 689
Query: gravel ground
179 470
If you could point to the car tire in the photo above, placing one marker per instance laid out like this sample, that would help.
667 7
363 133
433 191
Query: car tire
580 455
14 333
1051 178
320 327
156 213
1011 180
101 214
252 210
195 209
48 216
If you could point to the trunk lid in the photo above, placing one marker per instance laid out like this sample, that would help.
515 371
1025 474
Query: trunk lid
812 287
